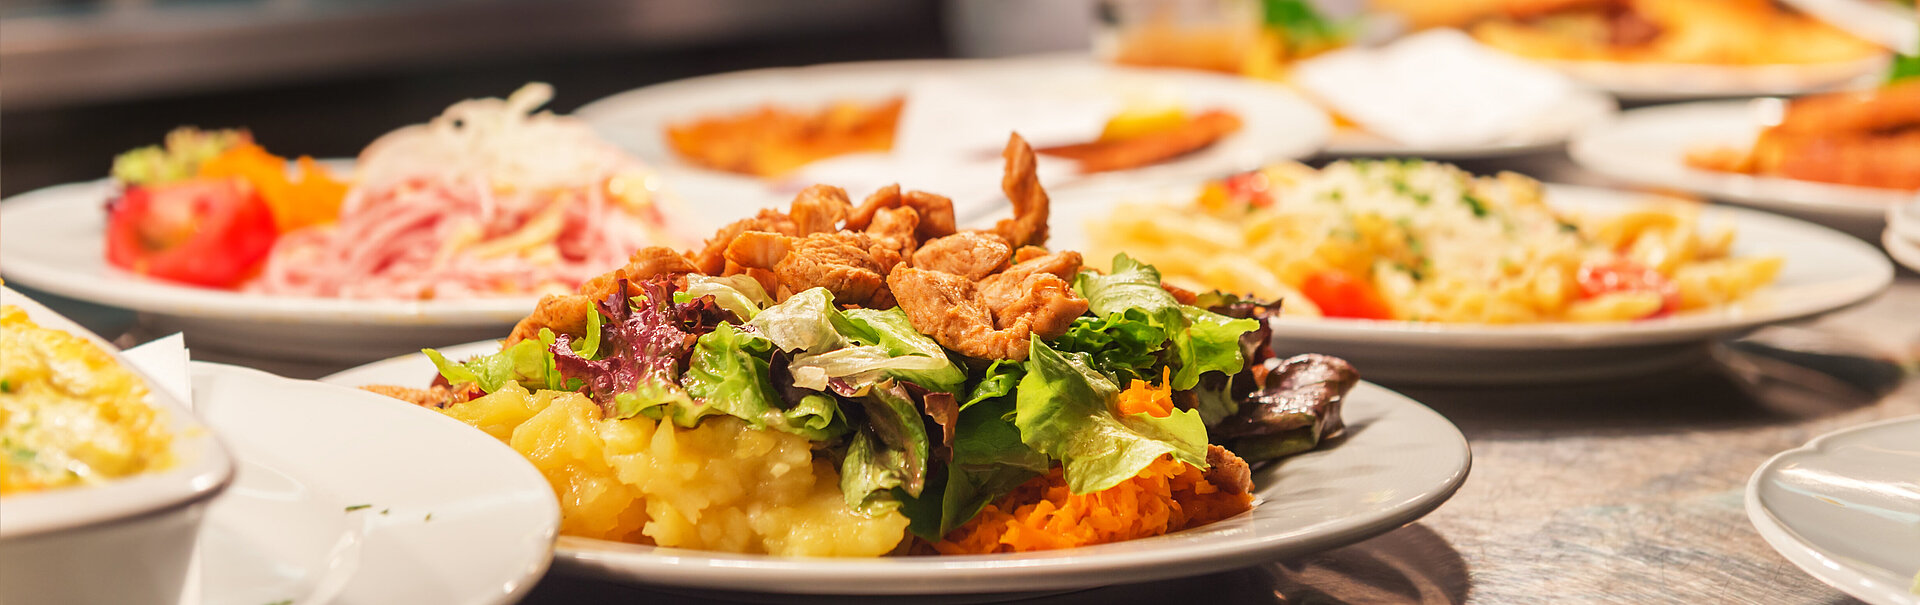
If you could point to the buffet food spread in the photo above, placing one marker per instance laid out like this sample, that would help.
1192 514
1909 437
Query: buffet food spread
1118 376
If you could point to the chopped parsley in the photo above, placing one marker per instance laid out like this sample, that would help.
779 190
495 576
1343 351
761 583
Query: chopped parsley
359 507
6 385
385 510
429 518
282 602
1478 206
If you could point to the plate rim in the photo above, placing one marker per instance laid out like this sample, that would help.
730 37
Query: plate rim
1807 556
1650 81
1343 143
532 565
1061 570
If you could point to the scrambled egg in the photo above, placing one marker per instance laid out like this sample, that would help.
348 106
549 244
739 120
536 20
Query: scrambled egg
69 414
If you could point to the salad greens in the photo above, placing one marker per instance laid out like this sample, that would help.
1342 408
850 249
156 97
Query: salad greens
915 427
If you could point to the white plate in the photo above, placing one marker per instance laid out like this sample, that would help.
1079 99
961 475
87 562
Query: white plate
1666 82
53 240
1585 109
1276 122
1825 271
1846 508
1882 21
1398 462
309 451
1905 249
1649 147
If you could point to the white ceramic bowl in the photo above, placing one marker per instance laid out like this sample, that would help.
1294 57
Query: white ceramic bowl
126 541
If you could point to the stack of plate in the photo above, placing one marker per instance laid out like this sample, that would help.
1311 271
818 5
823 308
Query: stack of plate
1903 233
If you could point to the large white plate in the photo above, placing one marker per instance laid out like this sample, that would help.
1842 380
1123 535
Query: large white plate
1276 122
1666 82
1882 21
1397 462
1649 147
1550 134
308 451
1846 508
53 240
1825 271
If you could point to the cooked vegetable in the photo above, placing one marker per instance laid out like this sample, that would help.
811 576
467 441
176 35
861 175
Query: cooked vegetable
205 232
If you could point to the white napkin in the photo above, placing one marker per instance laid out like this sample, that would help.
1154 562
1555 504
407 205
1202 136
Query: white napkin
165 360
1436 88
944 117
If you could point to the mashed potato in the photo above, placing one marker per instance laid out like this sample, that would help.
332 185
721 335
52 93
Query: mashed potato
720 486
69 414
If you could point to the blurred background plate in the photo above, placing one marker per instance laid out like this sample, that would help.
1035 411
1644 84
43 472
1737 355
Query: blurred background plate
1846 509
1587 109
1276 122
1825 271
1649 146
1667 82
1396 462
53 240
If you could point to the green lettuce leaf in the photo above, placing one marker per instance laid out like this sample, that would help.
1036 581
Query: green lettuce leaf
1064 409
738 294
894 334
804 322
989 460
527 362
996 383
867 482
1202 341
1124 344
728 373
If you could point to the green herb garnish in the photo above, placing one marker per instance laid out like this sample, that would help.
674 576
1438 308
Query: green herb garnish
358 507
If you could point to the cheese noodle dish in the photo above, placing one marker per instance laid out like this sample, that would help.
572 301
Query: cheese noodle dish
69 414
865 380
1424 241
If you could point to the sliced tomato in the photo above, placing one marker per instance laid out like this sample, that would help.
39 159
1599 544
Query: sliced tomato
1340 294
1249 188
207 232
1628 276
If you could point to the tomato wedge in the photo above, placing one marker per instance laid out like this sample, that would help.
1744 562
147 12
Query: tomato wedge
1628 276
1340 294
206 232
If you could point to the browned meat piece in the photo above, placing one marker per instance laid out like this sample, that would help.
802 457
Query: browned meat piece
438 396
1227 471
893 228
848 264
562 313
948 308
1888 109
1027 253
935 211
712 259
819 209
936 214
1028 227
1183 295
968 254
1042 303
642 266
1001 289
954 311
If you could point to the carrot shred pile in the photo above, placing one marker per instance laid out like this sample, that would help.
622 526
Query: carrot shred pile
1143 398
1042 514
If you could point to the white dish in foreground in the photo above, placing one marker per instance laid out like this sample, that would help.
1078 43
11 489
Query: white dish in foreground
53 240
1666 82
1846 509
451 515
1825 271
1277 123
141 527
1397 462
1649 147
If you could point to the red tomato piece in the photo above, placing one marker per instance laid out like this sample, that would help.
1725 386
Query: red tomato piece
1628 276
206 232
1249 188
1339 294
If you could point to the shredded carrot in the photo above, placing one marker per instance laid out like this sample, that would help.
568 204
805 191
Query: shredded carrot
311 199
1143 398
1042 514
